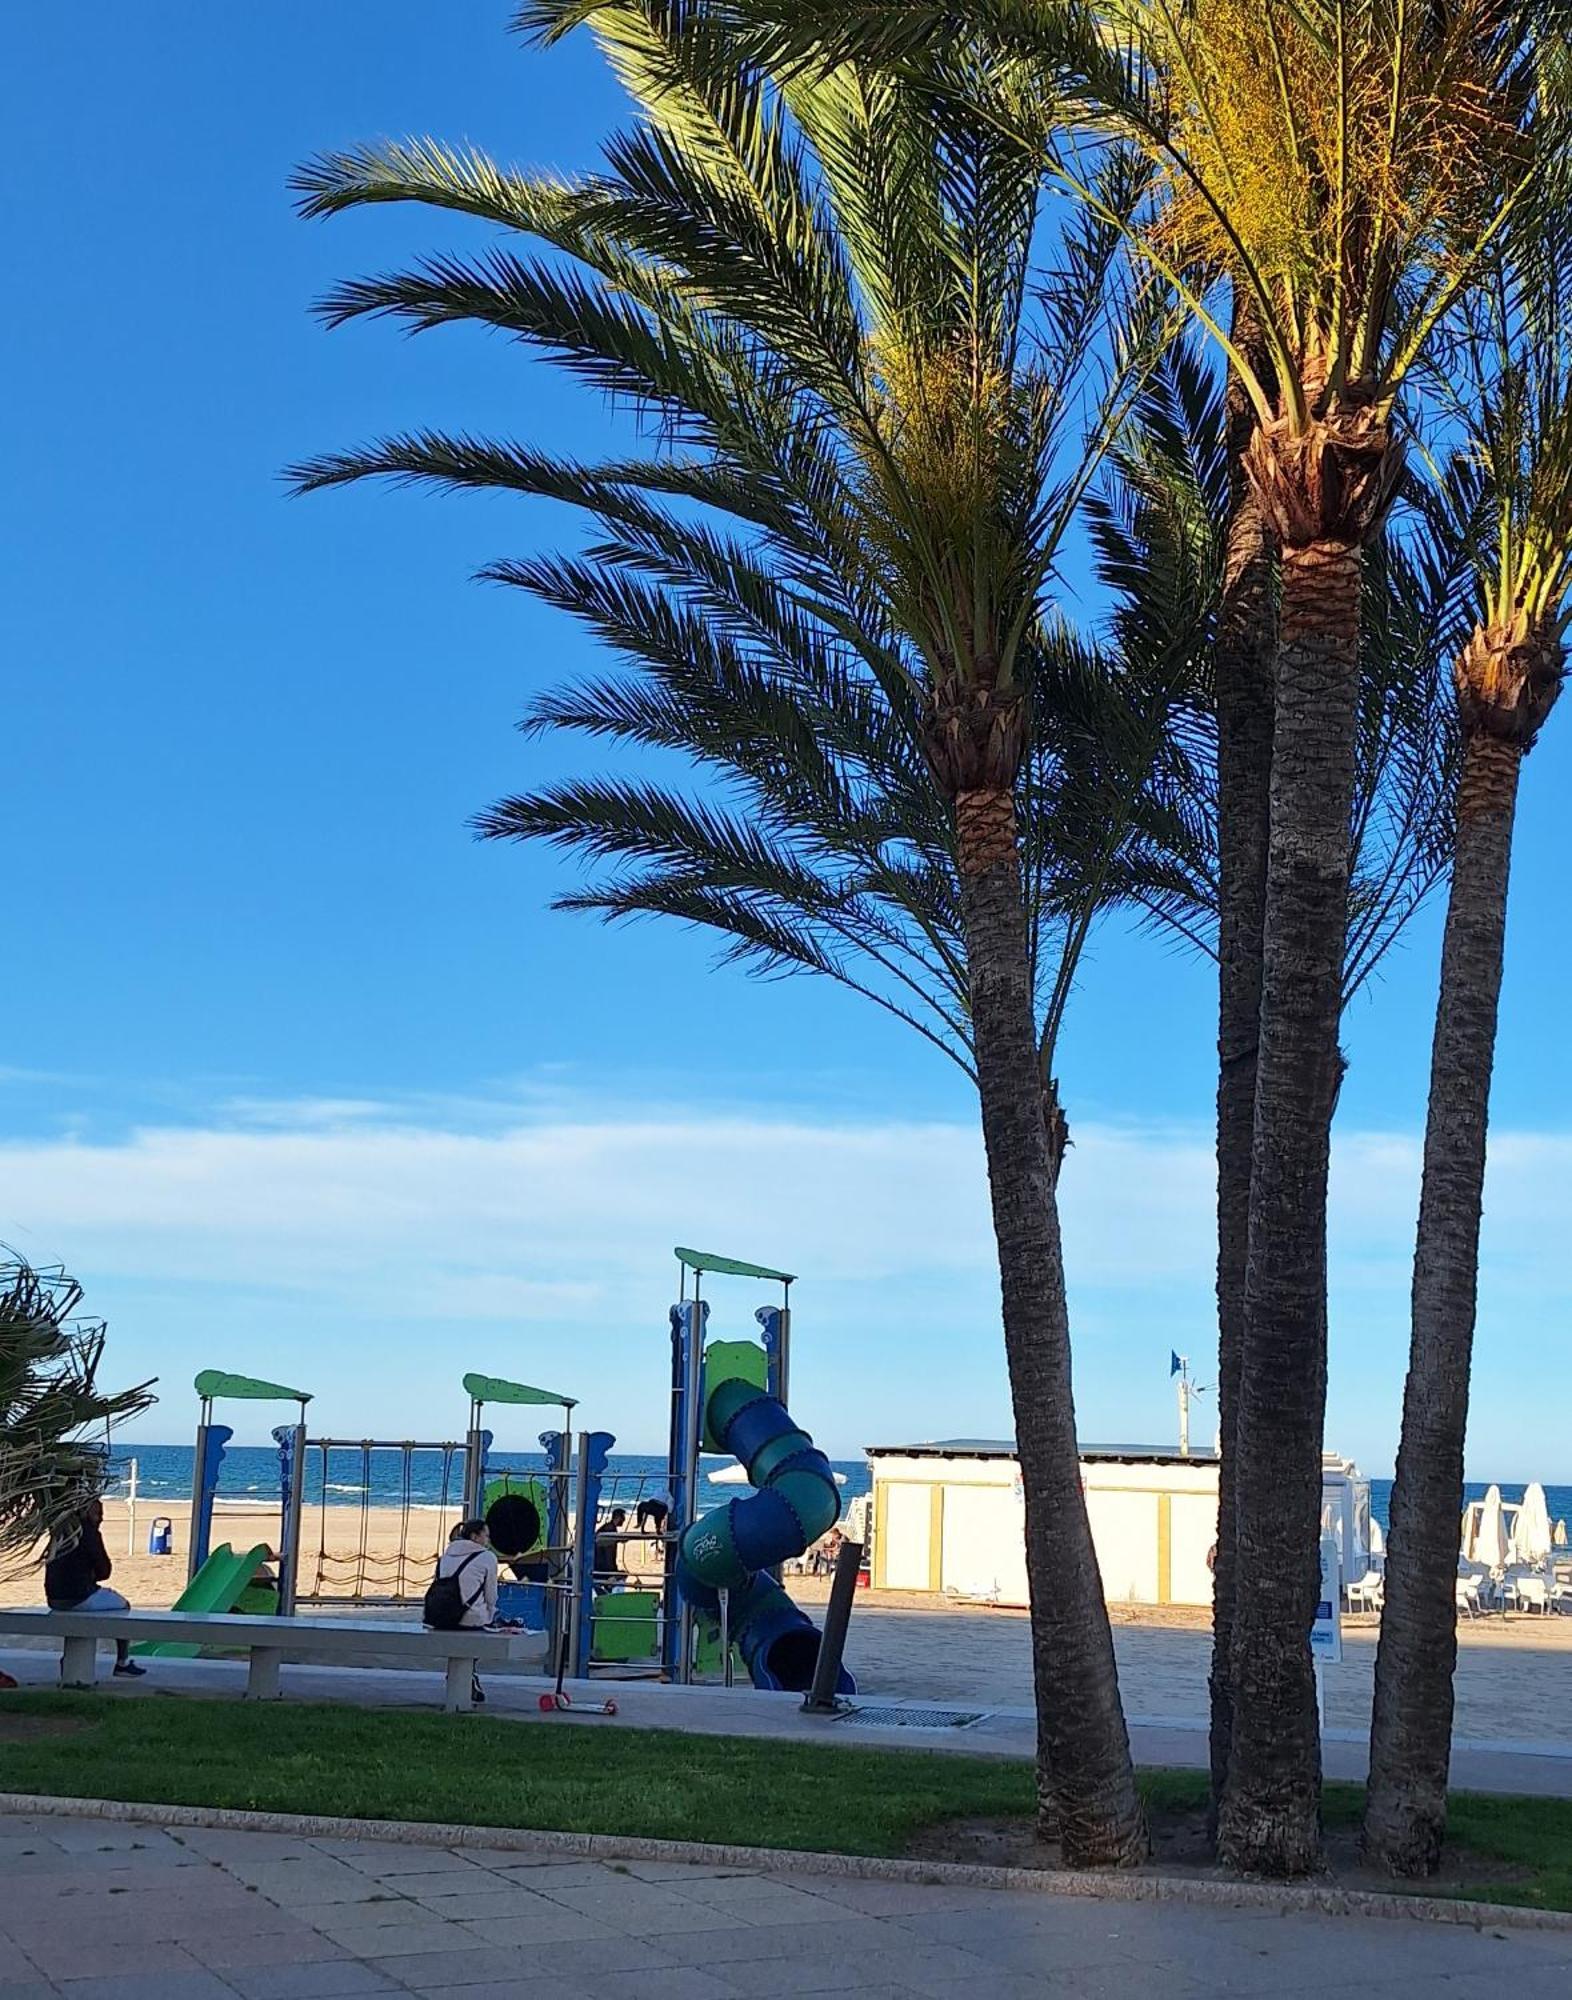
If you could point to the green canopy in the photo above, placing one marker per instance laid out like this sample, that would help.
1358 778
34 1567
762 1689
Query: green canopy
492 1389
731 1267
246 1388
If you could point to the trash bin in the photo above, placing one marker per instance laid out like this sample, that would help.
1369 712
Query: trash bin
161 1536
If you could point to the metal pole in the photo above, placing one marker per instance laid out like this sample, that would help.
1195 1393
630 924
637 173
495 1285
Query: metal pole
289 1554
725 1636
783 1393
583 1558
131 1511
474 1461
677 1520
693 1413
200 1533
559 1563
821 1698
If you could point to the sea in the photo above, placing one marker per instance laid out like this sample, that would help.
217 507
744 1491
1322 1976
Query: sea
352 1478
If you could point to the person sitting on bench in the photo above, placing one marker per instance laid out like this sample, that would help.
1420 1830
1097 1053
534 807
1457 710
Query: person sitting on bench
77 1572
471 1561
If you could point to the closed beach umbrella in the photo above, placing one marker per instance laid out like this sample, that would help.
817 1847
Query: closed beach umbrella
735 1475
1490 1543
1561 1534
1532 1537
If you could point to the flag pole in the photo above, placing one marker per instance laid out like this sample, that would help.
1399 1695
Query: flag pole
1180 1366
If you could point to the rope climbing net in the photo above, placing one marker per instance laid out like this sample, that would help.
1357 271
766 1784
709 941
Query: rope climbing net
358 1556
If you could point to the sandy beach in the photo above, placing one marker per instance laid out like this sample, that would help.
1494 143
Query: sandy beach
1514 1675
344 1552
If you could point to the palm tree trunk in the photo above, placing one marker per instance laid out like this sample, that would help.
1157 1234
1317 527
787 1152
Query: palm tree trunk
1091 1802
1246 640
1270 1810
1411 1728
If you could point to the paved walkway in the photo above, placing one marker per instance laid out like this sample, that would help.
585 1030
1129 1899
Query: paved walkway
90 1909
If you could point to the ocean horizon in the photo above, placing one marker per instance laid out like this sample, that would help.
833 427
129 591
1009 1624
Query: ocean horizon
251 1473
352 1478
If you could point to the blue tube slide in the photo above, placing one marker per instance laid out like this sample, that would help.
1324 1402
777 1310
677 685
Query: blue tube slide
795 1502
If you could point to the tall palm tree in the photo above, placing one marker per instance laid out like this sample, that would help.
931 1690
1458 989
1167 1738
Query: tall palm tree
818 293
1313 153
1340 166
1509 484
54 1417
1246 647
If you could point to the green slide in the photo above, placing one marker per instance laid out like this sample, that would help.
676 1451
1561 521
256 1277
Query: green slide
217 1586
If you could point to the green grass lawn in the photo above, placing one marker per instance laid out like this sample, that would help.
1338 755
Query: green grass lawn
367 1763
300 1757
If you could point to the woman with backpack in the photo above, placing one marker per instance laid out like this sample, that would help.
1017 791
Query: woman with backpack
463 1593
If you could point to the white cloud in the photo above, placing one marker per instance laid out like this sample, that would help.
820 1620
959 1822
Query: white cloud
377 1249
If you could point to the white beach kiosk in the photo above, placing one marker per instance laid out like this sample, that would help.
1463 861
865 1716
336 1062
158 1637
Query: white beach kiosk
948 1517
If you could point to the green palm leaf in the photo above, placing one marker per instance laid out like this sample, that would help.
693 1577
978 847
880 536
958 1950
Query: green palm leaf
54 1417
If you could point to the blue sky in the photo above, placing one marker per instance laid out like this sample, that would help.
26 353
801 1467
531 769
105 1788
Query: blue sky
299 1078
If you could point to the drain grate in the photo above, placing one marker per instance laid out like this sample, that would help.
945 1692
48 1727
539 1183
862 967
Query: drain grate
912 1718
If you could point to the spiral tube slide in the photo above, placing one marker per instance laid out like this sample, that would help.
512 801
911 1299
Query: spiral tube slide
729 1549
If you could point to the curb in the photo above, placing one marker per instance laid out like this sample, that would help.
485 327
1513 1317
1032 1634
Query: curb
1299 1898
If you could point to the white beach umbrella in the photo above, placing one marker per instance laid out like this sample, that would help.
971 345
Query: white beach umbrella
733 1475
1490 1542
1560 1536
1532 1534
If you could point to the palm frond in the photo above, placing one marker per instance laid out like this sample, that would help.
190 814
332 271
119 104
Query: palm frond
54 1417
871 436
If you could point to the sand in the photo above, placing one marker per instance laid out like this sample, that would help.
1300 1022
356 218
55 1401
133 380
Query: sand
1514 1674
378 1554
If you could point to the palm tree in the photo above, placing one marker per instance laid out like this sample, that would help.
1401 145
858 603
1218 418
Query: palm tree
818 293
1342 165
1246 646
1313 153
1188 468
1508 488
51 1463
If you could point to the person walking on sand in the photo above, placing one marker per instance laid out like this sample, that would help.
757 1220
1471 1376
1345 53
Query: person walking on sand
77 1574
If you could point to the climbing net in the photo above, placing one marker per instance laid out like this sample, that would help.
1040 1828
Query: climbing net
383 1510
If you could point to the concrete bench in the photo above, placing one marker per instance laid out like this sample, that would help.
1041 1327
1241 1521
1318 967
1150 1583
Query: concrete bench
267 1639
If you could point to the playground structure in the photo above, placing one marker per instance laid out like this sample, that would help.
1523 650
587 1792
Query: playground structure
213 1385
226 1579
730 1396
701 1592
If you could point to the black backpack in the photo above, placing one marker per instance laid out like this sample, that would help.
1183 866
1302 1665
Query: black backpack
445 1604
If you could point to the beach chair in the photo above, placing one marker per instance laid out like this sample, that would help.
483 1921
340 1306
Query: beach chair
1532 1593
1466 1594
1368 1593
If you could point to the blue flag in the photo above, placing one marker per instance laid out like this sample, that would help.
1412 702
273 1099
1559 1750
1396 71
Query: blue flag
1174 1363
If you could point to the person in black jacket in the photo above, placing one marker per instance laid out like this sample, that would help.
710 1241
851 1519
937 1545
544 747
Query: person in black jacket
77 1572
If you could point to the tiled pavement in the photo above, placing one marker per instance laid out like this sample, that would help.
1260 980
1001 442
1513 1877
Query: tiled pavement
90 1908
